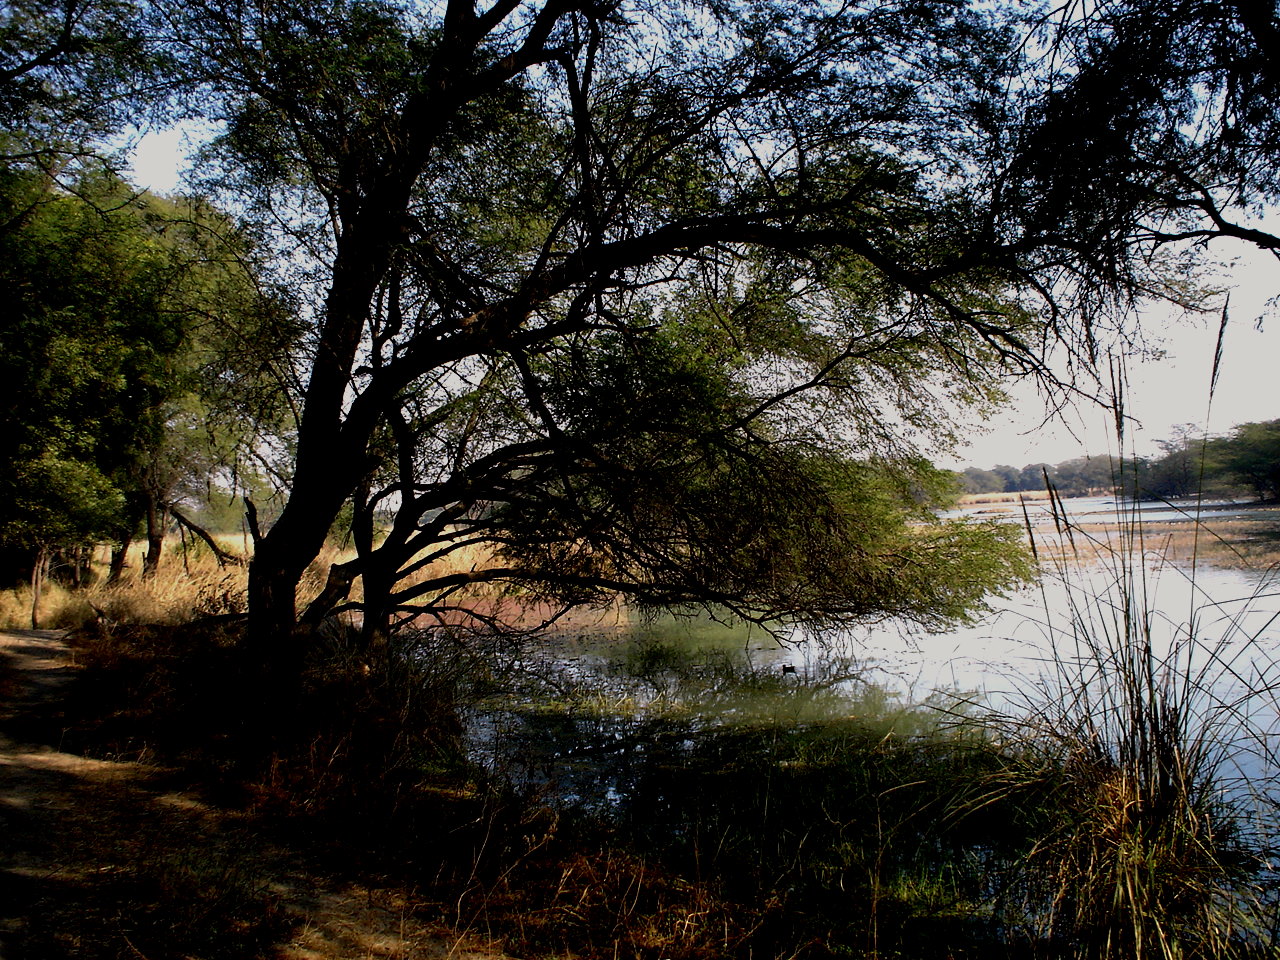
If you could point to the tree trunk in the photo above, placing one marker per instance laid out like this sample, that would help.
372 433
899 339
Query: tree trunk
377 582
119 556
331 457
273 589
281 556
78 566
39 573
157 521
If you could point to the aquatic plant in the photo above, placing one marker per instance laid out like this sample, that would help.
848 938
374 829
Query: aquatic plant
1146 754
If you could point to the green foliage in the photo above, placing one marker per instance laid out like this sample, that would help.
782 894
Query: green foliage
1246 459
84 358
682 489
52 502
123 362
1251 455
70 74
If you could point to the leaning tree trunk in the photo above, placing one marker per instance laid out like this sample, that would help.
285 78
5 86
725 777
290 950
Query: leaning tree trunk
331 454
275 642
39 573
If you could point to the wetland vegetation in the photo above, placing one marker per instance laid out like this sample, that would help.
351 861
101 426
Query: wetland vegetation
660 785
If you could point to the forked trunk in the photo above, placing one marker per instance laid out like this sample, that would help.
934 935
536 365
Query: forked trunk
281 557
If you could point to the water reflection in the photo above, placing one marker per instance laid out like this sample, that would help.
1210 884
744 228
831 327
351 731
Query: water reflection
596 705
1110 510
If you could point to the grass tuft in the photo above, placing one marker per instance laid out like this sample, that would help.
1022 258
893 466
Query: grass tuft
1151 738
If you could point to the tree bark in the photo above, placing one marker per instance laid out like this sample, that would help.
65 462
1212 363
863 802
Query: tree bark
119 556
157 521
281 556
39 573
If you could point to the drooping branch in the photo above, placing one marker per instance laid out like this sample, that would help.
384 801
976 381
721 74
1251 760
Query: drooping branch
224 558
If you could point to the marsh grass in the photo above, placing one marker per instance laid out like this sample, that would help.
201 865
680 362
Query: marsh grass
1124 808
1153 736
846 837
1240 544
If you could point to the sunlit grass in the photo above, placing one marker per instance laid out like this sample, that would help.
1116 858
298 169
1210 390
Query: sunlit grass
189 583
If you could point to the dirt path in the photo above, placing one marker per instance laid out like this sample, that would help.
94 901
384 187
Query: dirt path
101 859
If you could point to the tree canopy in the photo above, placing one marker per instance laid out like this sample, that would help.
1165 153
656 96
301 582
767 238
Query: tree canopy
668 299
766 220
125 313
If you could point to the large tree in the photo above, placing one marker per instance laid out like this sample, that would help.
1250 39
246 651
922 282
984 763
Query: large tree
658 297
645 297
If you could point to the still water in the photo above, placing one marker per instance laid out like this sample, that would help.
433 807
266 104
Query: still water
612 696
1041 513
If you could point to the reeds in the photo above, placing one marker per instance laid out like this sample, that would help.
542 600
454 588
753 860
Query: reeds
1147 754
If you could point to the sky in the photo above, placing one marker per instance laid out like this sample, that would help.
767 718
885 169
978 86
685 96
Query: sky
1163 392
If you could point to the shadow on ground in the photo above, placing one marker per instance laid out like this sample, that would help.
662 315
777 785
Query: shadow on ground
106 859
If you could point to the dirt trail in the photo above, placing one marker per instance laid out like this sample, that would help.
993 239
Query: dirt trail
104 859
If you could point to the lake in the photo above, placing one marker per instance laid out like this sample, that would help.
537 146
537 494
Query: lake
624 678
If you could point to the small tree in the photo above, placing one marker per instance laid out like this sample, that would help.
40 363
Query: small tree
54 504
1251 455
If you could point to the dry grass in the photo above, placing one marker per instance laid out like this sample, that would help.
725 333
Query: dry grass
1240 544
610 903
979 499
190 583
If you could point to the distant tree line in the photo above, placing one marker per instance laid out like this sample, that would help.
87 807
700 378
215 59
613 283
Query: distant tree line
1244 461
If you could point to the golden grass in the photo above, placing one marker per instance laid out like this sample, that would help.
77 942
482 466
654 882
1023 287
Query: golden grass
978 499
1237 544
190 584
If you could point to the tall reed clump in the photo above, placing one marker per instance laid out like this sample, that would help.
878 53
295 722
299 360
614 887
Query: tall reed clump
1151 740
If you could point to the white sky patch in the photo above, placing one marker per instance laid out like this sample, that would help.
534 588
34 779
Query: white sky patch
159 158
1163 392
